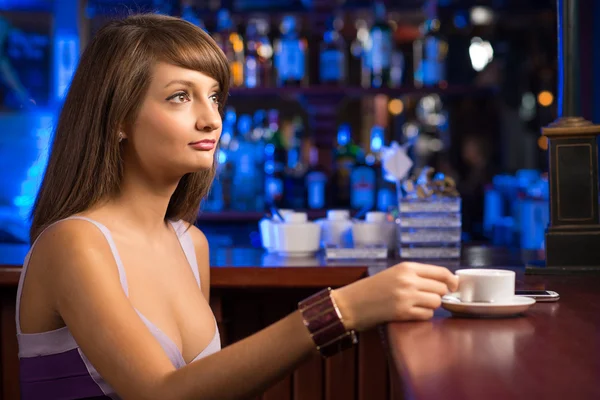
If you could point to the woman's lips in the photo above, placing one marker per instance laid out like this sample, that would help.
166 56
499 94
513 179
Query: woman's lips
203 145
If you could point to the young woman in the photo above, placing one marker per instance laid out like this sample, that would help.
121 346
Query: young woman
113 299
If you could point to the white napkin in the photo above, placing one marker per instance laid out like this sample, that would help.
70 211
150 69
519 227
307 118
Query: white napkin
396 162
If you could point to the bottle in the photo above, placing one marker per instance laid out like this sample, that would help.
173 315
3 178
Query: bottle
227 144
215 200
364 176
295 195
243 191
397 68
379 55
291 54
258 66
232 45
386 195
316 182
332 57
219 196
295 171
430 51
345 157
274 165
358 71
257 143
363 182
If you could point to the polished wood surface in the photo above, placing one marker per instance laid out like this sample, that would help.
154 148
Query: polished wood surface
550 352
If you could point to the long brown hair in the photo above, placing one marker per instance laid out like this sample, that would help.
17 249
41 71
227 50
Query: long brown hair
107 90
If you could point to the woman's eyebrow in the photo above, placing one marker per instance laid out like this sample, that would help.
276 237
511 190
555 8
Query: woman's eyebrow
190 84
180 82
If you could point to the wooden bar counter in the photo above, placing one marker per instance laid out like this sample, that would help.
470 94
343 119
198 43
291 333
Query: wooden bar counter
550 352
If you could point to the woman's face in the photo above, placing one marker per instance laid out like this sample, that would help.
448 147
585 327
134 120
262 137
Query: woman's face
179 125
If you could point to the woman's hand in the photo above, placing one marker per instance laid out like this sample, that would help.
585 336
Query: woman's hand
404 292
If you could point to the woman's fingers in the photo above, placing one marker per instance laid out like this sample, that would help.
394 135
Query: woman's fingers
427 300
420 313
432 286
434 272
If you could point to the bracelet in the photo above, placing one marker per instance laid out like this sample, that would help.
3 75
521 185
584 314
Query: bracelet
324 321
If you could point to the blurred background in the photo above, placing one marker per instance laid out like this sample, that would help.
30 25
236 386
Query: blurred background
319 89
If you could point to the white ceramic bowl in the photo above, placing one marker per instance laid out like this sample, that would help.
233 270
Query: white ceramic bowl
296 237
267 233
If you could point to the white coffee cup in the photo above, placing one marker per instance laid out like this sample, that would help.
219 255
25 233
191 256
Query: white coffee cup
485 285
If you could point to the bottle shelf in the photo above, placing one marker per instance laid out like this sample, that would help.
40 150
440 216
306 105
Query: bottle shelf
349 91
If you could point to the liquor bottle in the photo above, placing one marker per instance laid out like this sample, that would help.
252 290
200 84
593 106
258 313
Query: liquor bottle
358 72
232 45
244 190
257 141
294 187
316 182
430 51
345 156
397 68
274 165
332 57
228 143
363 182
364 177
258 66
291 54
386 197
379 55
215 200
219 196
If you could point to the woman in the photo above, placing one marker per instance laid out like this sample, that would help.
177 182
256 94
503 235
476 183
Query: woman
113 299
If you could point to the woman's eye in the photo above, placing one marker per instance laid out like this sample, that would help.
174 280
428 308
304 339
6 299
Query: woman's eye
180 97
215 98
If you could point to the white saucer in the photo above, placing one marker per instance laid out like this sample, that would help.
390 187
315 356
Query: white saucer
507 308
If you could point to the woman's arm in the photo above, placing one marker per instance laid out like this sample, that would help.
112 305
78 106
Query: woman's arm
88 296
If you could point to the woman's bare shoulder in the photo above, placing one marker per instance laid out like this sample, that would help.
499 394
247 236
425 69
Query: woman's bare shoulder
199 238
69 239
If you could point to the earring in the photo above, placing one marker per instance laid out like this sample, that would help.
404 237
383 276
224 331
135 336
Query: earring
121 137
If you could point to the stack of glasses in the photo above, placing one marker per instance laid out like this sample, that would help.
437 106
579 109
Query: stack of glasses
429 219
